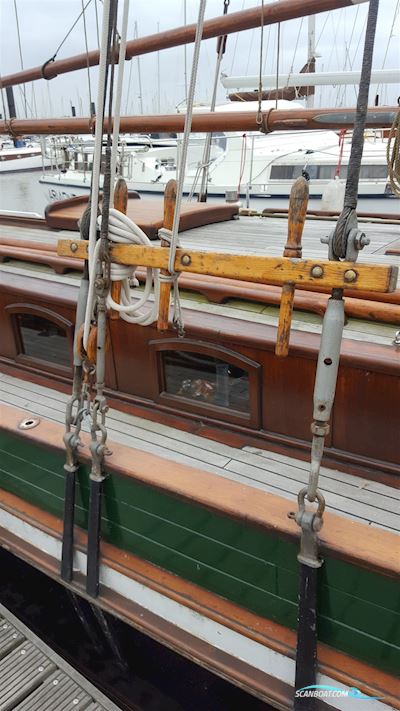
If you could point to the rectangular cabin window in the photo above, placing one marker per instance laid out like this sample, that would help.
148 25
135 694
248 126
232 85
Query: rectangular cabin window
43 339
326 172
286 172
205 379
373 172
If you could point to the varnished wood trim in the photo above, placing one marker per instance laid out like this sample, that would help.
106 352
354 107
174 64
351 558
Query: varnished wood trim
282 640
348 540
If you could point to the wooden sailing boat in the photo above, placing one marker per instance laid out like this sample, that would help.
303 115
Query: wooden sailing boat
203 558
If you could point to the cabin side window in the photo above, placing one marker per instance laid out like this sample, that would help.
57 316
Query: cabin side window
209 380
42 339
206 379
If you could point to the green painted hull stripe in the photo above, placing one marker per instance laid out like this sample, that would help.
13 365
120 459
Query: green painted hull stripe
359 611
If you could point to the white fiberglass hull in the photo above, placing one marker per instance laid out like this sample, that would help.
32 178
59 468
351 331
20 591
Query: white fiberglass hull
15 160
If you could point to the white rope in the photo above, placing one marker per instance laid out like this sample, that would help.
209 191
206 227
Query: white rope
98 136
186 136
98 145
118 97
122 230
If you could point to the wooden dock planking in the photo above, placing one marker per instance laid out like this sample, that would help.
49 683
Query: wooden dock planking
33 677
352 497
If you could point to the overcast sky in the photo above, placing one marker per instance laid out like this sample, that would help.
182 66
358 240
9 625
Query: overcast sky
44 24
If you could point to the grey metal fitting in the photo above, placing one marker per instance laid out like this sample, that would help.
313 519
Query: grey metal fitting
310 523
319 429
356 240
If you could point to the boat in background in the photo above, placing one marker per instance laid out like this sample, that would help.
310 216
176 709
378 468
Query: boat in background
244 164
21 154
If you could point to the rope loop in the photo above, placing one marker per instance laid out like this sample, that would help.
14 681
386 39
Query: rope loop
44 65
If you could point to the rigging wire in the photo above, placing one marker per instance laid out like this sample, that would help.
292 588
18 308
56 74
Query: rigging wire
268 42
391 35
295 49
23 90
52 59
278 49
87 59
236 42
97 23
260 77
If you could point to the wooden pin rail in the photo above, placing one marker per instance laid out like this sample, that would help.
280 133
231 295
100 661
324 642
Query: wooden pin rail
259 269
165 287
296 218
121 204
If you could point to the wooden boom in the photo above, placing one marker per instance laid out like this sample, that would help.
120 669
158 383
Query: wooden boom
225 25
272 120
259 269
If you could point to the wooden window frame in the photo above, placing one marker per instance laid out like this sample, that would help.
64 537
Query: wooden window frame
14 310
214 412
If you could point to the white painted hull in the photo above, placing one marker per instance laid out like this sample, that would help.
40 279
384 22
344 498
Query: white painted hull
16 162
247 164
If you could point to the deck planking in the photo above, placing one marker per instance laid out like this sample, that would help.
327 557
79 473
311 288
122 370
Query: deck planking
365 501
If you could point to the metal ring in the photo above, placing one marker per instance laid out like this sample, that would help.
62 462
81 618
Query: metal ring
29 423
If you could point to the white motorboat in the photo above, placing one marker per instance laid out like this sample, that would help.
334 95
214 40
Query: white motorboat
21 155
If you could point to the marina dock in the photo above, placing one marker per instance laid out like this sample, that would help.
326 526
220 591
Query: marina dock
34 678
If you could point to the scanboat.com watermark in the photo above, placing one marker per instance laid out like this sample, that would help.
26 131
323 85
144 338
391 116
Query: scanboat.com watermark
323 691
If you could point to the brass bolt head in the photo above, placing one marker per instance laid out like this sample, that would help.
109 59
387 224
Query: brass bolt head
317 272
350 275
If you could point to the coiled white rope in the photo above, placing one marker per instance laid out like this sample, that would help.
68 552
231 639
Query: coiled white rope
122 230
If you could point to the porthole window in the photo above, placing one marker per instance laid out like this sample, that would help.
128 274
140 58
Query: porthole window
43 339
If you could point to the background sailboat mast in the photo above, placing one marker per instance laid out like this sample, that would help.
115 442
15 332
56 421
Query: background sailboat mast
311 55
